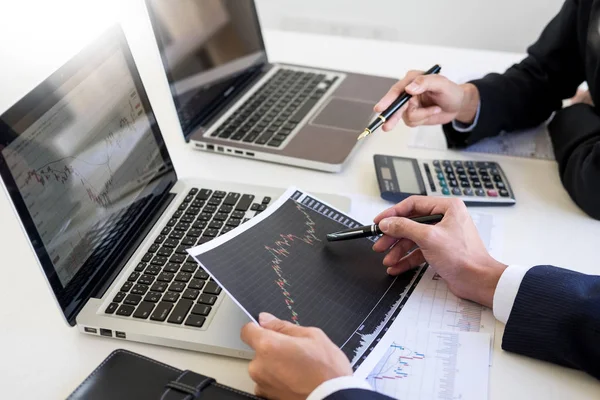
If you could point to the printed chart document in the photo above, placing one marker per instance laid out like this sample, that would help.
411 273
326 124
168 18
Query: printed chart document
438 346
420 364
280 262
533 143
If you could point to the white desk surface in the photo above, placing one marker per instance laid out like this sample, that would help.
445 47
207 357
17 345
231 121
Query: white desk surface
41 357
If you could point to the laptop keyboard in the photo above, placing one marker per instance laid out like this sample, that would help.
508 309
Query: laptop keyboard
169 285
269 116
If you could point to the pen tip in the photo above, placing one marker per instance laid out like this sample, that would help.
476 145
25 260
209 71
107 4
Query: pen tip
363 135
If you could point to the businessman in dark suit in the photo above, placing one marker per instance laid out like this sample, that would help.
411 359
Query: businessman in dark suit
550 313
526 95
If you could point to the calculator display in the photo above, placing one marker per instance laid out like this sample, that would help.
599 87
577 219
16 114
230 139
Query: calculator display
406 176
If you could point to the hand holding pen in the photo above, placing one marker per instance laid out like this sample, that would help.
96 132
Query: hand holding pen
432 99
452 247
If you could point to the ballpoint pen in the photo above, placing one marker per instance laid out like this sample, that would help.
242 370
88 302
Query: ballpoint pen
395 106
373 230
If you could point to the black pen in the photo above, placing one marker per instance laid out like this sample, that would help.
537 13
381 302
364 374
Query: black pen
373 230
395 106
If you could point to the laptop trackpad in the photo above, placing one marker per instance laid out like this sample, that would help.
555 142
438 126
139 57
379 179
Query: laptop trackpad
346 114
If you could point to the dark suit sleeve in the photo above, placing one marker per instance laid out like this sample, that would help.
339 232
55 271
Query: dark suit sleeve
529 92
357 394
556 318
575 134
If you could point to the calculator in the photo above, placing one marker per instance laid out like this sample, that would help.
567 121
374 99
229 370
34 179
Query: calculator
477 183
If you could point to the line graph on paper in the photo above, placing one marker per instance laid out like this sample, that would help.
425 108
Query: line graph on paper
429 364
281 250
284 266
432 305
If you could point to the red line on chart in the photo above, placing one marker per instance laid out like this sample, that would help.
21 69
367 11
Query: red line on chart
280 251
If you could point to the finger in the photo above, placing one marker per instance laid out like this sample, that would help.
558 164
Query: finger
418 205
409 262
400 227
263 391
395 91
394 119
272 323
384 243
251 334
398 252
438 119
427 83
415 116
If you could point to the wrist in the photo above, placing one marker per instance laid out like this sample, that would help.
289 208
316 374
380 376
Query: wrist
486 277
469 105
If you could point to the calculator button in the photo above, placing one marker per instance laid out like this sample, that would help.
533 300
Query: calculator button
458 163
460 170
482 164
503 192
468 164
497 178
494 171
486 178
456 191
438 170
436 163
446 163
443 183
453 183
474 178
448 170
480 192
451 176
468 192
483 171
440 175
462 177
492 193
464 184
488 185
446 191
476 184
500 185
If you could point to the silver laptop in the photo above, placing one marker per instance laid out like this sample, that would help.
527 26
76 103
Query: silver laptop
86 168
231 100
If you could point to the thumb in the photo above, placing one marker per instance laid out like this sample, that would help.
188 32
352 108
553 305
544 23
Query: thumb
427 83
399 228
272 323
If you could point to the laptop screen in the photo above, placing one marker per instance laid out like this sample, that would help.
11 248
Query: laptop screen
83 159
211 51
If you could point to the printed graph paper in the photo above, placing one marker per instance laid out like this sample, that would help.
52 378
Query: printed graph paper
285 266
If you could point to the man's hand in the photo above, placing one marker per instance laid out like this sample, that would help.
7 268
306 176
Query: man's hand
453 246
436 100
291 361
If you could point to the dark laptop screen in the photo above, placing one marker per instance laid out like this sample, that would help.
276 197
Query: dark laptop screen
211 50
82 159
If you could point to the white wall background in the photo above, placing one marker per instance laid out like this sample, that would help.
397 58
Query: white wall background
507 25
37 36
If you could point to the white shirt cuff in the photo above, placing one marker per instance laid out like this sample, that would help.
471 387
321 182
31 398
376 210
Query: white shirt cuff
460 127
506 291
336 384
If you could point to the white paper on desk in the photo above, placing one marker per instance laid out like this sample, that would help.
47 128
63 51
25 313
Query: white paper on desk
415 364
533 143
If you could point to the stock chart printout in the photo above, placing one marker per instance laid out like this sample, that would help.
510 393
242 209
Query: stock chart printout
281 263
